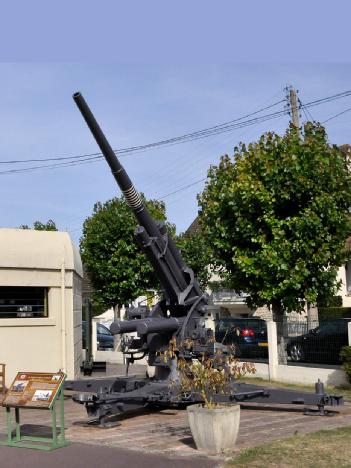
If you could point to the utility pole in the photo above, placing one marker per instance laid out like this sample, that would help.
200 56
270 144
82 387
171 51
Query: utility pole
291 96
294 107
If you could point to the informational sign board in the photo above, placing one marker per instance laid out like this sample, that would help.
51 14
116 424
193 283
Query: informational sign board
33 390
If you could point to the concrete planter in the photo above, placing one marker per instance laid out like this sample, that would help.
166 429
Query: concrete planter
214 430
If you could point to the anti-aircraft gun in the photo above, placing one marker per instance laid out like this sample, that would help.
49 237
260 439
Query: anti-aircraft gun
181 314
182 310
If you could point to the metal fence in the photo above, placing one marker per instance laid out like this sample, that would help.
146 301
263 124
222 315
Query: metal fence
303 341
295 327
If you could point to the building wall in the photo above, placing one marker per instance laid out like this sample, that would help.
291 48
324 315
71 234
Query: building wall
43 344
34 344
77 322
263 312
344 274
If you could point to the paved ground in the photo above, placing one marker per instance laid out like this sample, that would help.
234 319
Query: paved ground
158 438
85 456
146 435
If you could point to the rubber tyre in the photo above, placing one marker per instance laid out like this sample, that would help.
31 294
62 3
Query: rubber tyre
296 352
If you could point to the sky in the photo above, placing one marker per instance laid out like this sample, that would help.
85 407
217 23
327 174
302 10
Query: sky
137 104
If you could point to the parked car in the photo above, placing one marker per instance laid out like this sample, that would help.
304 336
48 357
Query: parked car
248 335
105 339
322 344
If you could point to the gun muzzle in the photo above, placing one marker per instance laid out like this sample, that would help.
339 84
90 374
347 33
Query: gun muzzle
124 326
158 325
145 326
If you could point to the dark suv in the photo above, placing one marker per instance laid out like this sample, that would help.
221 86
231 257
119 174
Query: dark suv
248 335
322 344
105 339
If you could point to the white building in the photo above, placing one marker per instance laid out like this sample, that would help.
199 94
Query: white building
232 303
40 302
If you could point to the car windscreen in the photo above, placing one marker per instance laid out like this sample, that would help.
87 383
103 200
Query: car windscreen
330 328
102 330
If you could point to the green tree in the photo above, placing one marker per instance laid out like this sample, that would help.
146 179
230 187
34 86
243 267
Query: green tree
50 225
118 269
277 217
196 255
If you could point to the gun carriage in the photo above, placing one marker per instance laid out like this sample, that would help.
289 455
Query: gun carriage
181 314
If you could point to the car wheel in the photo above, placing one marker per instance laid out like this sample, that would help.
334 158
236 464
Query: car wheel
296 352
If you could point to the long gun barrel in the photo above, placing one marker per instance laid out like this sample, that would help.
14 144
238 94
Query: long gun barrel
175 277
131 195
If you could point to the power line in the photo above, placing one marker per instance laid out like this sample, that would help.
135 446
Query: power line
205 133
96 158
180 189
309 113
194 135
133 149
303 109
184 187
52 166
337 115
201 156
187 136
203 179
168 194
329 98
170 169
18 161
306 111
216 147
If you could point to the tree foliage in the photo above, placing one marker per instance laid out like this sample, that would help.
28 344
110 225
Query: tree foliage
118 269
196 255
276 216
50 225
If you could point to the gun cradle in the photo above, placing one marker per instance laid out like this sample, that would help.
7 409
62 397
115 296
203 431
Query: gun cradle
125 394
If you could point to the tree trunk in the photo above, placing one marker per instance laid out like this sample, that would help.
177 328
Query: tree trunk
117 317
312 316
116 312
278 318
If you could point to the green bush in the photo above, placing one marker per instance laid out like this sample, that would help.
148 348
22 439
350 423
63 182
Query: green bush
334 301
329 313
345 356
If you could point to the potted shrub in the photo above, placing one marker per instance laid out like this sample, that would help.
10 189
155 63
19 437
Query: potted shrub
214 426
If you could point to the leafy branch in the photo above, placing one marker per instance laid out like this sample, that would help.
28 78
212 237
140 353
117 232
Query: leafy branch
210 375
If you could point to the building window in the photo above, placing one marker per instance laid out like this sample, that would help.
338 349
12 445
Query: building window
23 302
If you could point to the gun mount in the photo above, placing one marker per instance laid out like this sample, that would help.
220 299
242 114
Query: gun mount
181 314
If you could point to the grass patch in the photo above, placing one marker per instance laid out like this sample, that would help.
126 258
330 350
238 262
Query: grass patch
327 448
345 390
